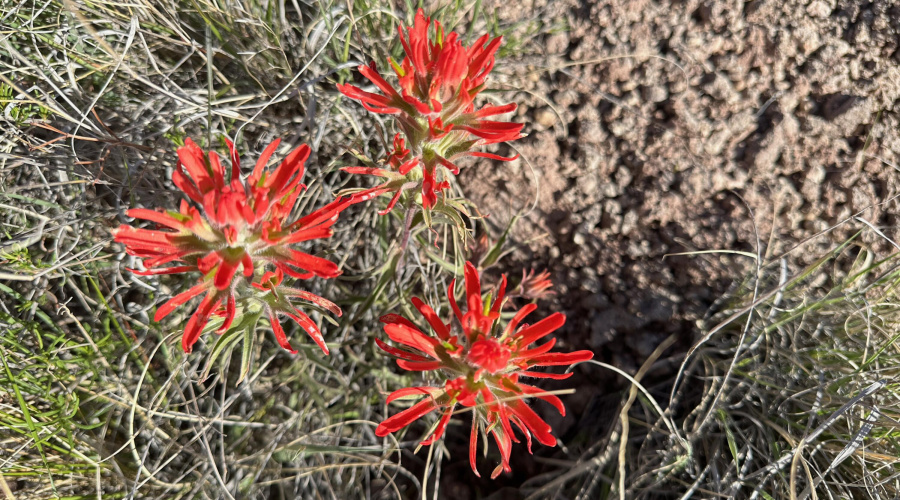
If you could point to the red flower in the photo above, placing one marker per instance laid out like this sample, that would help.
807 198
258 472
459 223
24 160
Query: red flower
534 286
439 79
482 367
398 179
240 225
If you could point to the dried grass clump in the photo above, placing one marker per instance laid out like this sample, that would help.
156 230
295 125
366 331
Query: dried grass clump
793 393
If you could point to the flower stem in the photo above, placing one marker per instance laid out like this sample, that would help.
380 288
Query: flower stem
407 231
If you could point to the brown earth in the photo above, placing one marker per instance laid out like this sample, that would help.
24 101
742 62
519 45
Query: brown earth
663 127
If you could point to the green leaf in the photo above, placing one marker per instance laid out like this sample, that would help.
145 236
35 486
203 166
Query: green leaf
223 342
247 351
497 250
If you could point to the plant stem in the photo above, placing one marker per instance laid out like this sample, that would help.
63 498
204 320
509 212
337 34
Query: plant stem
407 231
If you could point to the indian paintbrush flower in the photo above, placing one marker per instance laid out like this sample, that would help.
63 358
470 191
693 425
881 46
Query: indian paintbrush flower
434 107
534 286
232 226
482 368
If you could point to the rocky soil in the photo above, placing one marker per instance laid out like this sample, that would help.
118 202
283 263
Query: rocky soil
663 127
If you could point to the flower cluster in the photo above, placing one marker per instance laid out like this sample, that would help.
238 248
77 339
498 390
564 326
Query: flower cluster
236 226
434 108
482 368
238 234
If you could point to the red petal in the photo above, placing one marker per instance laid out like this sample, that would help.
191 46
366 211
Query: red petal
392 203
491 110
313 233
408 165
378 81
447 163
481 60
261 163
503 416
419 366
441 427
327 214
412 391
405 417
368 194
419 106
291 165
560 358
292 273
554 376
145 240
162 218
164 259
380 172
452 299
315 299
399 353
195 325
311 328
429 198
542 394
218 171
529 353
373 102
490 128
492 156
521 426
178 300
247 263
501 294
473 446
473 289
229 313
165 270
235 161
225 273
533 422
279 333
396 318
540 329
191 156
412 337
322 268
184 183
503 442
439 327
520 315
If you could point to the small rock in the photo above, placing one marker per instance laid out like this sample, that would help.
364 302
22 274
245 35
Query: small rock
619 128
717 141
720 88
610 190
812 185
629 222
545 117
860 35
808 39
654 93
819 8
847 111
623 177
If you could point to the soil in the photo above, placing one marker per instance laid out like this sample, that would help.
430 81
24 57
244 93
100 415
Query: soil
655 128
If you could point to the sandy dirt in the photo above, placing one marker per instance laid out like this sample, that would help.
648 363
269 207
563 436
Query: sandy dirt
664 127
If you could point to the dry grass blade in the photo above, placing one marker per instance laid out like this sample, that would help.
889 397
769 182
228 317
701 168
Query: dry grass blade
803 371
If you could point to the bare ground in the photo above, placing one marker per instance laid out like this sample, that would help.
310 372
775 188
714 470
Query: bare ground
675 126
